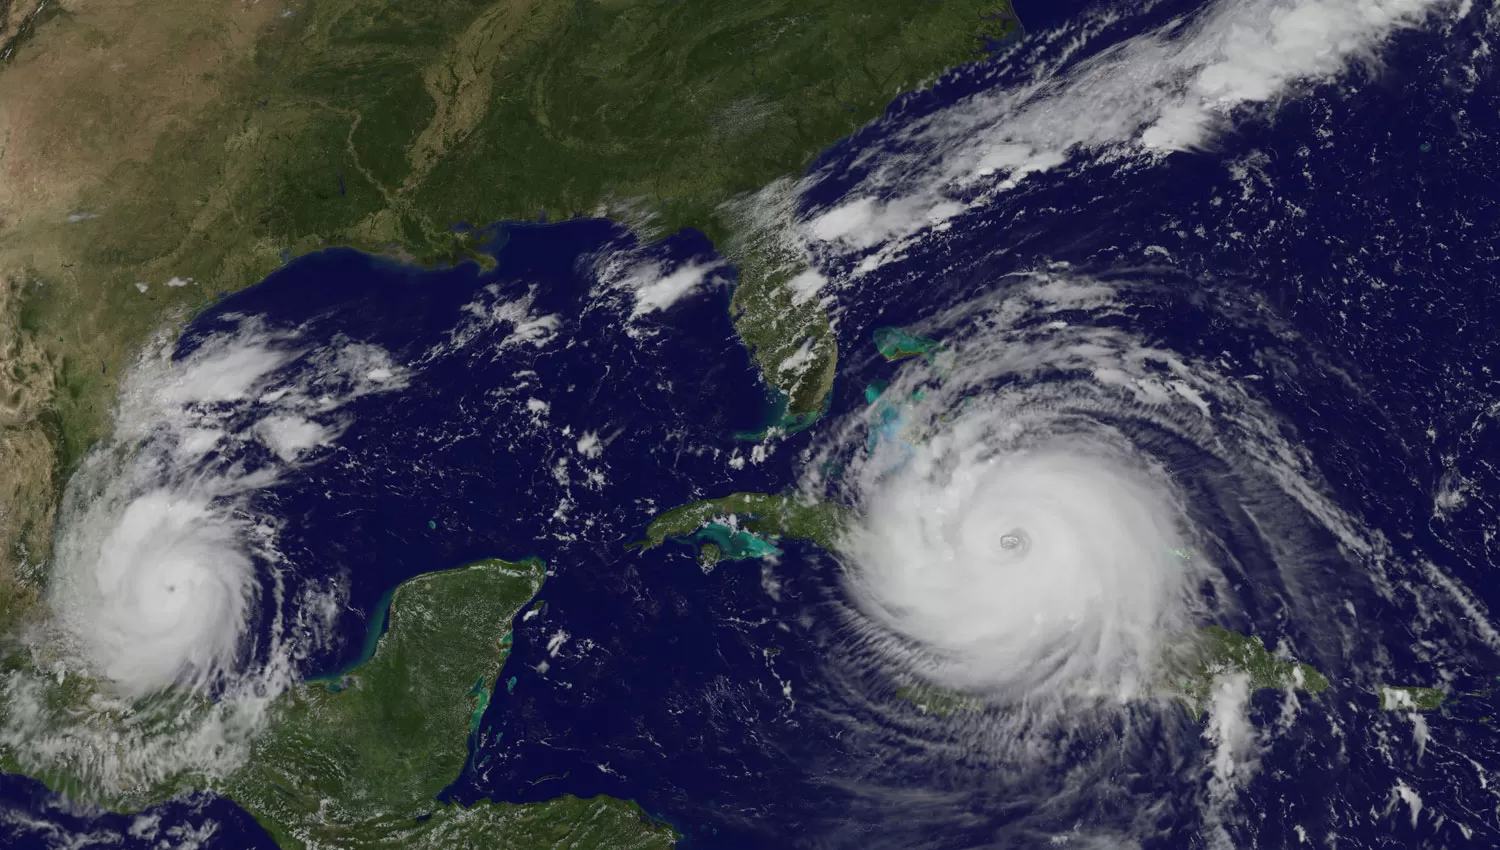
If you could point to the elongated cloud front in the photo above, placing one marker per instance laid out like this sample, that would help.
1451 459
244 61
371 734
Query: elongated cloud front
1082 92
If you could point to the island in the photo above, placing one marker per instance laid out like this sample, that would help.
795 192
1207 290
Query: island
1191 668
897 344
745 525
931 699
1407 698
1215 651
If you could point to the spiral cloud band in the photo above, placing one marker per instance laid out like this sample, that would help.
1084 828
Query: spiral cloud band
174 625
156 574
1023 564
170 592
1021 536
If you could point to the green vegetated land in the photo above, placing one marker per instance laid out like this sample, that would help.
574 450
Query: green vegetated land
757 516
1399 698
897 344
931 699
746 525
382 123
719 542
1192 668
358 762
1218 651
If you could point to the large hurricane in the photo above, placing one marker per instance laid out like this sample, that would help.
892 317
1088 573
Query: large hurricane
1028 553
1055 512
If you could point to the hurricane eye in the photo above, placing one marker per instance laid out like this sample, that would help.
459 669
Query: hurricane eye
1015 542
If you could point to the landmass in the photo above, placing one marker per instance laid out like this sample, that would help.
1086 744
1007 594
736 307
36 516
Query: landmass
19 19
358 762
743 525
897 344
930 699
777 309
356 759
718 542
1406 698
1192 668
157 154
746 525
1216 651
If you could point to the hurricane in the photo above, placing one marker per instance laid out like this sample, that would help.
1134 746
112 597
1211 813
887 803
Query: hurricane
1026 555
915 426
1053 508
168 597
172 624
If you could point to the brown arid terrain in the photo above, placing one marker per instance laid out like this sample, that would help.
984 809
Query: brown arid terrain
89 91
17 19
26 459
106 80
157 154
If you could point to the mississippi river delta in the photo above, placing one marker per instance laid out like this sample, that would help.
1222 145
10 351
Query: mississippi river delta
161 154
238 137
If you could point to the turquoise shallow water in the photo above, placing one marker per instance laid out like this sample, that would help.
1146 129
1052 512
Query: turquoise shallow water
1347 231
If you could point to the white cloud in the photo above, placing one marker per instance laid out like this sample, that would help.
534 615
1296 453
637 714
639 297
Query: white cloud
806 286
555 643
589 445
1165 90
491 310
162 561
655 290
154 519
648 285
1233 736
798 359
224 370
290 436
535 330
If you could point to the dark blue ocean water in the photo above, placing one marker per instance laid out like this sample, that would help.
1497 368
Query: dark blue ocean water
1355 222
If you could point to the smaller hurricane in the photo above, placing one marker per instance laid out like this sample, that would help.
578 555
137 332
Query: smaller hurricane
165 565
169 595
155 573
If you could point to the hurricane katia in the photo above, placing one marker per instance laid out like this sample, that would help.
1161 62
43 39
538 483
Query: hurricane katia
165 558
168 597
